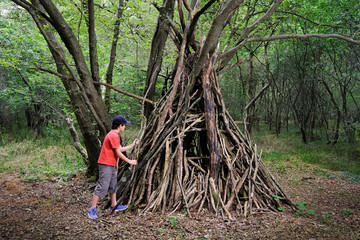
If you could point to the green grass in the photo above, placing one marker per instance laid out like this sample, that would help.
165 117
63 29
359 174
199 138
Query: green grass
51 156
343 157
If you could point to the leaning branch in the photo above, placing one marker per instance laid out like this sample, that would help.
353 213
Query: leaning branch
256 97
306 36
125 93
282 37
318 24
97 83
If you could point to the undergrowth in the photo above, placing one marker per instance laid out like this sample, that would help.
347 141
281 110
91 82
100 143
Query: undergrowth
51 156
288 149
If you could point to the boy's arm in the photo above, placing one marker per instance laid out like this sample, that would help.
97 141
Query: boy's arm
123 157
124 149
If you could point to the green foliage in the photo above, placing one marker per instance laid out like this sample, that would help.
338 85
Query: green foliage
27 49
311 211
297 69
276 198
281 209
280 168
301 205
173 222
215 196
303 209
327 217
347 211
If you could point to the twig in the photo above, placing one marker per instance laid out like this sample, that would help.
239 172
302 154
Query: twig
182 191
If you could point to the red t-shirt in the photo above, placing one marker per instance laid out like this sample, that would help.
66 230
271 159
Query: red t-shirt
108 155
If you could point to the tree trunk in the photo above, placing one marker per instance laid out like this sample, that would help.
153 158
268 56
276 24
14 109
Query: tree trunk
338 112
110 70
156 54
88 131
92 99
94 65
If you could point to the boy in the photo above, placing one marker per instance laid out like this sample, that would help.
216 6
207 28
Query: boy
110 152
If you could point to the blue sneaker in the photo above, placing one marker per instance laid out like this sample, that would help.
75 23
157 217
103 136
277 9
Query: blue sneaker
92 213
119 208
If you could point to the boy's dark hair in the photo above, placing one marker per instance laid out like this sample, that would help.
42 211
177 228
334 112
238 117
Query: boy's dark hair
115 126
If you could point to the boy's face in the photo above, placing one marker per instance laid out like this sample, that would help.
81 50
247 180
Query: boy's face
122 128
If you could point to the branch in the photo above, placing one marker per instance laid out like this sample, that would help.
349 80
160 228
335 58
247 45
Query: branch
26 5
256 97
187 6
125 93
217 26
181 15
156 6
229 54
282 37
196 18
96 83
316 23
234 65
176 31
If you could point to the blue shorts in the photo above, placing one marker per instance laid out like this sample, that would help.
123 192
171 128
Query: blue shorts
107 182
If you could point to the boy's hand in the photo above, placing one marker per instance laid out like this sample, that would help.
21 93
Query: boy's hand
136 142
133 162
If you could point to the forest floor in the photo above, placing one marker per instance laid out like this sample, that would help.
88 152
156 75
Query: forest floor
58 210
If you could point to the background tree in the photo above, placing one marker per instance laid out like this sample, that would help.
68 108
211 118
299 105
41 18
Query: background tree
78 79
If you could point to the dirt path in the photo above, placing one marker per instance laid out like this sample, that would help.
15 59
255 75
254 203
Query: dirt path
58 210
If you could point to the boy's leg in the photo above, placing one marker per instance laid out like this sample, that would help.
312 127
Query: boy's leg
92 213
100 189
113 199
113 187
112 191
95 200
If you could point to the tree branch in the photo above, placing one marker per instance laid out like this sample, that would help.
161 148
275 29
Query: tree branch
217 26
282 37
234 65
26 5
316 23
125 93
256 97
230 53
96 83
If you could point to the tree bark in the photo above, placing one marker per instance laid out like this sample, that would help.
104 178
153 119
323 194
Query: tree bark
156 54
110 69
92 99
94 65
91 140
